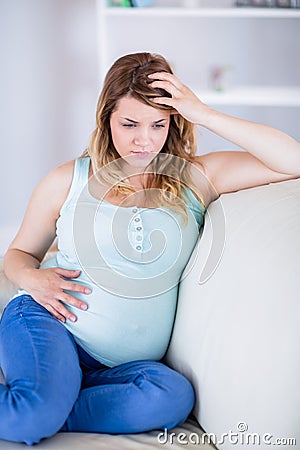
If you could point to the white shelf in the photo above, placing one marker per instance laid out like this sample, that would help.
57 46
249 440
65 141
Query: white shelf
261 45
272 13
254 96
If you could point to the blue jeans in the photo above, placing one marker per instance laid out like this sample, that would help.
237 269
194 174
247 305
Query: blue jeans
53 385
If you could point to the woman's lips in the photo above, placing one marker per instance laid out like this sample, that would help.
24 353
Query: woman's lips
140 154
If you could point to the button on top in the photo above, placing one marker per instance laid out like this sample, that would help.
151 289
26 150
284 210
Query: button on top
134 210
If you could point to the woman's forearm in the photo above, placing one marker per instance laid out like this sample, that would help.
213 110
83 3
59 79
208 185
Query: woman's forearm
18 267
274 148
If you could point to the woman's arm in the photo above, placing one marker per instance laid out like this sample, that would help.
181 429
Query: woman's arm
36 234
271 155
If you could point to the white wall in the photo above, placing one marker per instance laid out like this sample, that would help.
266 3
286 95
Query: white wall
50 81
49 87
257 52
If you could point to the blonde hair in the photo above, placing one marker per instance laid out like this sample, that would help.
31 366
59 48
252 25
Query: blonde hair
128 76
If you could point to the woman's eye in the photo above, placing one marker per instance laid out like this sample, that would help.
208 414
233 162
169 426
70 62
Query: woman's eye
128 125
133 125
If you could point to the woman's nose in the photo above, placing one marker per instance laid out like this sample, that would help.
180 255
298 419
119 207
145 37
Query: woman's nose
142 138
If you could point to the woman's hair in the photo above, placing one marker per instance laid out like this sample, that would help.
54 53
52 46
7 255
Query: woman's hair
128 76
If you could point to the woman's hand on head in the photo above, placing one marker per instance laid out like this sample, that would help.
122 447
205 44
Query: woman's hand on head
48 286
183 100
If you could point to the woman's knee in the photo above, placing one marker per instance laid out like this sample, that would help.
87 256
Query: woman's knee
176 394
33 417
44 378
168 395
35 426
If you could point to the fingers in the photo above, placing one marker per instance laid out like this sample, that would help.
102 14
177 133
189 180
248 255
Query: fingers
70 300
165 101
183 99
51 291
167 86
171 84
168 82
165 76
62 285
67 273
72 286
60 312
75 287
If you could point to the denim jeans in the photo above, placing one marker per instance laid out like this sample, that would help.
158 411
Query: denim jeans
53 385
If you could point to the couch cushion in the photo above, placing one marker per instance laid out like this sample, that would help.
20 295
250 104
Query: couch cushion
186 436
7 288
237 334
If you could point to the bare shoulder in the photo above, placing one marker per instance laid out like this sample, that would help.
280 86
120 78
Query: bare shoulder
62 175
38 228
202 181
56 184
51 192
210 161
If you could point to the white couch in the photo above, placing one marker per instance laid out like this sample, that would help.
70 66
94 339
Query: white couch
236 334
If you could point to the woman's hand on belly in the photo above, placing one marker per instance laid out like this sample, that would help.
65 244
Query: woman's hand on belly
48 286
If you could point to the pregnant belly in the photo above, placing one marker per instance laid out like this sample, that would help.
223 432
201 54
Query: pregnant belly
117 329
114 330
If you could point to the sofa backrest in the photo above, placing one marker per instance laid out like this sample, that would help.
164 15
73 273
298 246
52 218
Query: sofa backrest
237 334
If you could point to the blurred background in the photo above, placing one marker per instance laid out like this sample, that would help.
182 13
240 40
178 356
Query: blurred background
55 53
50 80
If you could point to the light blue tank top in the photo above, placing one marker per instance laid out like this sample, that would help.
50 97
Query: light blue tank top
132 259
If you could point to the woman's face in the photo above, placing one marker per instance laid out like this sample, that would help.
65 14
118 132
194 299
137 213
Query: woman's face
138 131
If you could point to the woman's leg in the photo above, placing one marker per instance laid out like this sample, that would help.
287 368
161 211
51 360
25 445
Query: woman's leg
133 397
40 363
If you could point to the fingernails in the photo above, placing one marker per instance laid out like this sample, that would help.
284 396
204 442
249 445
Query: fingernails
87 291
72 318
83 306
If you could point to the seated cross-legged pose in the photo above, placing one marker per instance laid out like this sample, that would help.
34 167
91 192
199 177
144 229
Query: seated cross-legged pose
83 341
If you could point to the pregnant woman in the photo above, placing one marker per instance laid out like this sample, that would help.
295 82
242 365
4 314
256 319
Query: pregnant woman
83 341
